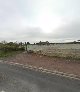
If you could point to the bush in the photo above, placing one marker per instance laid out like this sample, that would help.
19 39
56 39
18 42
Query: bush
10 47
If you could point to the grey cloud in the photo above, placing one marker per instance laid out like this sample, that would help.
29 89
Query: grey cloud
34 32
11 17
30 33
70 31
9 13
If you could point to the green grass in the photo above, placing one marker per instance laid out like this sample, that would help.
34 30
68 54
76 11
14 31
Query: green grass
8 54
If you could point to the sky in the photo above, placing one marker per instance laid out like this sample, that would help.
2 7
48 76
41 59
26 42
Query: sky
40 20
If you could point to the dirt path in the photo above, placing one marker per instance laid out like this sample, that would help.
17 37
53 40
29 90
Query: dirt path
51 63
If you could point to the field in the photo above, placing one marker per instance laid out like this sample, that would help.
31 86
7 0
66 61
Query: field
57 50
45 62
49 57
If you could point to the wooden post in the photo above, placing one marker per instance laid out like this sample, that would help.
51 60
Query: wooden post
25 46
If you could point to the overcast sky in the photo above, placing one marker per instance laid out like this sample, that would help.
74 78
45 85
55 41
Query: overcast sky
35 20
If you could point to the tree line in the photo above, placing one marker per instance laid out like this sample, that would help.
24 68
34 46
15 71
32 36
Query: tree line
11 46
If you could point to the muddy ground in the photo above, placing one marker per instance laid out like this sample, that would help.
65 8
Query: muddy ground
51 63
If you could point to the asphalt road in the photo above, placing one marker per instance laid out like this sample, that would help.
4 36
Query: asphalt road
18 79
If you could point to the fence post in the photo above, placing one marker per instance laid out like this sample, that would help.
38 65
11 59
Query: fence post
25 46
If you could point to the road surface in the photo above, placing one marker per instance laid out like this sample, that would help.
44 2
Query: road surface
18 79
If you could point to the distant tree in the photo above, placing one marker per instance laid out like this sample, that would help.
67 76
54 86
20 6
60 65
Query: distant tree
10 43
47 42
78 40
20 44
75 42
4 42
28 43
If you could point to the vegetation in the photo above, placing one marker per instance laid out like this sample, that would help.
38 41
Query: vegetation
10 48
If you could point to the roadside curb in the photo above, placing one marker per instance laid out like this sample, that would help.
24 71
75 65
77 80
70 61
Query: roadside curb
68 75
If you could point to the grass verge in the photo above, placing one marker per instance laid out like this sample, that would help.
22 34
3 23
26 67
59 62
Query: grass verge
7 54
